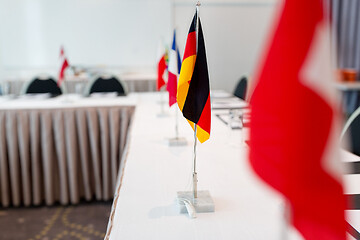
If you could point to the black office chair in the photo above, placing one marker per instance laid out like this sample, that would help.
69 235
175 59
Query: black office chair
107 84
43 85
241 87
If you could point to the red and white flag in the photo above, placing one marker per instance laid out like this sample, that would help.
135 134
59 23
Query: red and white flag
161 66
294 121
173 71
63 65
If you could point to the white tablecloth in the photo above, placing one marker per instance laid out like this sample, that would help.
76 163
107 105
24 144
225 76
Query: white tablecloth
62 149
144 206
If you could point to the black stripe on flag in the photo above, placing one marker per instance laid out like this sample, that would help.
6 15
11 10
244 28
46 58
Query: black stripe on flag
193 24
199 89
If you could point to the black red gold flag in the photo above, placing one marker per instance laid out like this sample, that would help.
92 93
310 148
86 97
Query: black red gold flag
193 95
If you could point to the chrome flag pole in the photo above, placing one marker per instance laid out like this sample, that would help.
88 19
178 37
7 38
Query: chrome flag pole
195 125
177 140
176 124
162 102
194 170
198 4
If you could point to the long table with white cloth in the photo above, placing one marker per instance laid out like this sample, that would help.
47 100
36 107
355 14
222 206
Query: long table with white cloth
68 148
145 205
62 149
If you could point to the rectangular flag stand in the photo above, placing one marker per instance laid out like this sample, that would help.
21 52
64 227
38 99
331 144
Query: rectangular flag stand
177 142
203 203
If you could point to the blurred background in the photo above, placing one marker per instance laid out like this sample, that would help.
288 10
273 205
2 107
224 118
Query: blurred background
123 36
119 40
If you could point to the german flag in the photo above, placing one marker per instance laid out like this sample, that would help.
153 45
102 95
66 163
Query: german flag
193 93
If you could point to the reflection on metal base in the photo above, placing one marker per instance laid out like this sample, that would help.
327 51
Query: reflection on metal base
176 142
203 202
162 115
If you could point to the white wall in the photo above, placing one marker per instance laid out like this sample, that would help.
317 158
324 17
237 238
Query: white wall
125 33
106 32
234 33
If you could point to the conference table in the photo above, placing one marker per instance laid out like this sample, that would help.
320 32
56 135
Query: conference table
152 172
145 205
64 149
70 148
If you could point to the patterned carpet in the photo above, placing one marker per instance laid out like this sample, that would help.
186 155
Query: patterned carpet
81 222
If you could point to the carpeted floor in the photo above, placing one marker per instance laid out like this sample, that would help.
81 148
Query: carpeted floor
81 222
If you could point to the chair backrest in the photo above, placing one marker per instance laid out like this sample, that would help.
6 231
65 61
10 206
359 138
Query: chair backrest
106 84
42 85
352 130
241 87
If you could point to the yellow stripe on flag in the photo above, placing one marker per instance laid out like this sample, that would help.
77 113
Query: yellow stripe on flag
201 134
186 72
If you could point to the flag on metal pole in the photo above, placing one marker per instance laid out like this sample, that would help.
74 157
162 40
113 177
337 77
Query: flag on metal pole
193 93
173 70
161 66
63 65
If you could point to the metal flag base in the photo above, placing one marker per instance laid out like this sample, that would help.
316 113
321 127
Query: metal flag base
177 142
203 202
162 115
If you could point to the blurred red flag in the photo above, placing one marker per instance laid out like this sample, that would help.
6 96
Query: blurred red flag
63 65
161 66
294 123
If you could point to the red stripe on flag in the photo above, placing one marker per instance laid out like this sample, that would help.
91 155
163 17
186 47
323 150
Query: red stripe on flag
190 47
205 118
